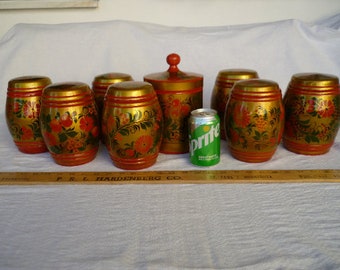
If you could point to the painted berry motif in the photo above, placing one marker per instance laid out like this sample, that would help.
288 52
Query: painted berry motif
70 131
255 129
312 119
25 112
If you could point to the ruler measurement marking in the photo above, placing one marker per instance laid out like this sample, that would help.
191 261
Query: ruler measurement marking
171 177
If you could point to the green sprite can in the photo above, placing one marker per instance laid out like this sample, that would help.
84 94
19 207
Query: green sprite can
204 137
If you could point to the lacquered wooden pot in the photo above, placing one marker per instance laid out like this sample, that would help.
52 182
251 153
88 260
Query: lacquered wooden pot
22 112
224 82
179 93
254 120
312 104
101 83
134 124
69 123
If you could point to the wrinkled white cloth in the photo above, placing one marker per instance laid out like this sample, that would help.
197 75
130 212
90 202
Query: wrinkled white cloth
229 226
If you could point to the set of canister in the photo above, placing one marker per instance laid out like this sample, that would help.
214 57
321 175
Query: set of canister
256 117
137 120
60 118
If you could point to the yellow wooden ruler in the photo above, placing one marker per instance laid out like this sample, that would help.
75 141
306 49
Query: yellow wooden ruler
172 177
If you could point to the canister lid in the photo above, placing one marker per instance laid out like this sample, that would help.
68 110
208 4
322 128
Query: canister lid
173 78
66 94
131 89
71 90
314 80
29 82
256 86
110 78
232 75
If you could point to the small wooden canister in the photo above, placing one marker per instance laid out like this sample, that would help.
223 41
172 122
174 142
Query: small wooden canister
179 93
312 104
134 124
69 123
22 112
221 91
254 120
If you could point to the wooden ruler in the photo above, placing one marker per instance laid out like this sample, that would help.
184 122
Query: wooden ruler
171 177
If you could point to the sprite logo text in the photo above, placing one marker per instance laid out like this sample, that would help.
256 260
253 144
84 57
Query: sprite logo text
204 136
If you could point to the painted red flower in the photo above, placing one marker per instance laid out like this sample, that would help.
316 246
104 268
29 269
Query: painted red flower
56 125
326 108
176 103
185 109
130 152
124 118
16 107
143 144
27 133
174 112
66 120
310 106
241 116
118 137
31 109
86 123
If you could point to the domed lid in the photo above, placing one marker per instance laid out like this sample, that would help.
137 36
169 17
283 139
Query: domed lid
130 89
232 75
66 89
173 78
110 78
28 82
255 87
314 80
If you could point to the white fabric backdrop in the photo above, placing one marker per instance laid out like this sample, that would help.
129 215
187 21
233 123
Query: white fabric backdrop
288 226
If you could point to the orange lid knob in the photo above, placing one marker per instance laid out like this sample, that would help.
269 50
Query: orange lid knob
173 60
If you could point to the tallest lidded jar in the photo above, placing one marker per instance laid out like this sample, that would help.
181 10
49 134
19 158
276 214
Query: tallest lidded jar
178 93
312 103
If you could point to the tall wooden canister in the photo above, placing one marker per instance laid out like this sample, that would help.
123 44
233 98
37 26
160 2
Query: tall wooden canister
224 82
69 123
254 120
22 112
134 124
179 93
312 104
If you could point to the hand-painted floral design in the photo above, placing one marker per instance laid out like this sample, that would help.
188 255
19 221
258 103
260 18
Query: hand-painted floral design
134 134
176 112
70 131
312 119
252 128
23 119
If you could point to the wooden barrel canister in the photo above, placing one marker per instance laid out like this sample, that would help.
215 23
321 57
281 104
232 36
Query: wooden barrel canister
22 112
134 124
254 120
312 104
69 123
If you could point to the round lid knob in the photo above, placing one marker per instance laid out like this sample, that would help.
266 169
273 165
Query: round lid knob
173 60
